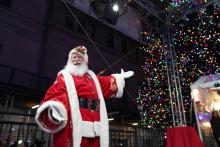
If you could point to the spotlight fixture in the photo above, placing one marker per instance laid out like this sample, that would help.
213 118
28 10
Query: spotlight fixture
98 7
115 7
109 11
20 141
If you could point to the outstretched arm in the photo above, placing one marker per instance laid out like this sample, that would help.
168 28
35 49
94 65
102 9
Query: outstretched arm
51 116
112 86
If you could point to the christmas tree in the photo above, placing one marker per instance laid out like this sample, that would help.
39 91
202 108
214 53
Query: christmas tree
197 43
153 99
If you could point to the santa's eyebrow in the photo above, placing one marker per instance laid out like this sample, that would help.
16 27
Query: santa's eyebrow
75 54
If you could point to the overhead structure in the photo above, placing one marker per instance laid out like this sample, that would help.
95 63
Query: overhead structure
109 10
153 14
192 6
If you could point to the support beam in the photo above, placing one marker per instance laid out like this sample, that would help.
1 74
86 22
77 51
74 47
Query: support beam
150 7
195 8
175 93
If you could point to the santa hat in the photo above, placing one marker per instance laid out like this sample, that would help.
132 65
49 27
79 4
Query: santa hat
79 50
82 50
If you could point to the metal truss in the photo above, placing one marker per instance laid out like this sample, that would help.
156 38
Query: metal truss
192 7
154 19
150 14
175 93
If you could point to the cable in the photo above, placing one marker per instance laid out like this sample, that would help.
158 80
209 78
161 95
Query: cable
93 43
87 35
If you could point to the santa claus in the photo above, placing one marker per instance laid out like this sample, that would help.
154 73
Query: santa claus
73 109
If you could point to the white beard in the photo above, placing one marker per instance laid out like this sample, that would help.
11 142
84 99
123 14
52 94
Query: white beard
77 70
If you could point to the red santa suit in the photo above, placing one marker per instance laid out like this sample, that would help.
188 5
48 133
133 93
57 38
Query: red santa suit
78 126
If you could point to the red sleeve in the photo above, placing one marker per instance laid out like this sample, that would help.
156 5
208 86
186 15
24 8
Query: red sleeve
55 96
57 91
46 122
108 86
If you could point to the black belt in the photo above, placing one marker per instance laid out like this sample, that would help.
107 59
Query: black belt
89 103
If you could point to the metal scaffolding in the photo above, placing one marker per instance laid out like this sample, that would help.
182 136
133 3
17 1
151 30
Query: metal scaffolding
176 99
154 19
151 17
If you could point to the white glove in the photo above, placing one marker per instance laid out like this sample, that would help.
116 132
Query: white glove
126 74
54 115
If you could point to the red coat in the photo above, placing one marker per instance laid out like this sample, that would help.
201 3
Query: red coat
87 123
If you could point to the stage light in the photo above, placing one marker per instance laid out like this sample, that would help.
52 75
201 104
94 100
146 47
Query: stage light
20 141
115 7
35 106
110 119
134 124
200 117
109 11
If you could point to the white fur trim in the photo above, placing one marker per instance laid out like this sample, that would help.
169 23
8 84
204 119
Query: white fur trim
50 111
104 132
62 110
74 106
120 84
91 129
76 115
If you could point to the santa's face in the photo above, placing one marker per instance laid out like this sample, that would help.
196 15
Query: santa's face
77 64
77 59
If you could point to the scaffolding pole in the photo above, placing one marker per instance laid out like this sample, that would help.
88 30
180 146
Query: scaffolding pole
175 93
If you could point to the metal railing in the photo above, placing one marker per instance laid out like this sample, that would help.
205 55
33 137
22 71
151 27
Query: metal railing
25 133
22 134
21 130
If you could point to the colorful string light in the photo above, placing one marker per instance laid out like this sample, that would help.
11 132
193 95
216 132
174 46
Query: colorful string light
197 43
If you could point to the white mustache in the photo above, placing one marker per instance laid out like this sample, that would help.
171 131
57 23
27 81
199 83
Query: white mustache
77 62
